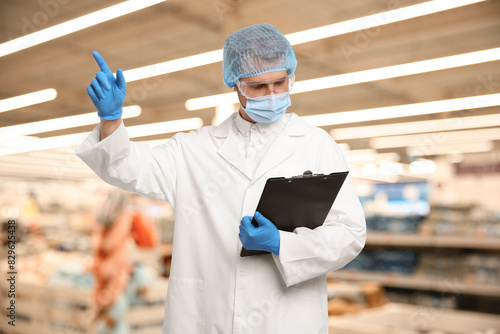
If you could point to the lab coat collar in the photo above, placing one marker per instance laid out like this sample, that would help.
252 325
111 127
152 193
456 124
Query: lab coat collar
281 148
295 127
243 126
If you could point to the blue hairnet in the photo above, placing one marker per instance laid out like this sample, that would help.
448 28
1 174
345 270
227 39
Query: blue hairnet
254 50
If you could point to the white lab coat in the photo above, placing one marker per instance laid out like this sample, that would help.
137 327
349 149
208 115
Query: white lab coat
201 174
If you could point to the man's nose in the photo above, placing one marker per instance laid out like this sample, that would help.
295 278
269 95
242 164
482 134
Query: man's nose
270 89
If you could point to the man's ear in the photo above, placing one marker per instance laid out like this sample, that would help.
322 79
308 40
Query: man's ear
241 98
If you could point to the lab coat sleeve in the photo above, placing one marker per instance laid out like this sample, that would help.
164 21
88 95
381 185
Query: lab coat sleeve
132 166
306 253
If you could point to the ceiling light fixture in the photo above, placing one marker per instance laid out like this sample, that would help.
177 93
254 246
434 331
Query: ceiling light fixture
61 123
38 144
447 124
395 71
457 148
428 141
173 66
375 20
422 166
373 157
309 35
164 127
73 25
415 109
390 168
29 99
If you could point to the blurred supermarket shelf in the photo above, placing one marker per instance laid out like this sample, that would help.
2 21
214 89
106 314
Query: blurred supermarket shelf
413 319
445 285
63 309
418 240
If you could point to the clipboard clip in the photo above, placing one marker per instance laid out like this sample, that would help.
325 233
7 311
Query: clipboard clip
307 173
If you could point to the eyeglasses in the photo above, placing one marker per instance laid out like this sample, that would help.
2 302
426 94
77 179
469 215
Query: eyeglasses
262 88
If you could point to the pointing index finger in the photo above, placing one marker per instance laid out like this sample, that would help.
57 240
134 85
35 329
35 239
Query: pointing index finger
100 61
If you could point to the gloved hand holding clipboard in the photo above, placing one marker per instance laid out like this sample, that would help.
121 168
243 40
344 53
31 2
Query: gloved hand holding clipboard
299 201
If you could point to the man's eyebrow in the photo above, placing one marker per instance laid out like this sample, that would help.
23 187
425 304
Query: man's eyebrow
263 82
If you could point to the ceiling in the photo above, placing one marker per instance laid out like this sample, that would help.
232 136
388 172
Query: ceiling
175 29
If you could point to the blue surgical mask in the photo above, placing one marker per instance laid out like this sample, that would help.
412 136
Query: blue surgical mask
268 108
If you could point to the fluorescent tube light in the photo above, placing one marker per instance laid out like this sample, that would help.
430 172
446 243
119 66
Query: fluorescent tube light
383 169
36 144
173 65
62 123
445 149
456 123
370 169
390 168
29 99
416 109
360 152
367 155
427 141
422 166
75 139
164 127
76 24
352 78
375 20
309 35
11 140
395 71
373 157
212 101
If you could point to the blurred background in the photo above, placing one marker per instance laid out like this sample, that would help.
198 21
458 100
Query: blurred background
409 89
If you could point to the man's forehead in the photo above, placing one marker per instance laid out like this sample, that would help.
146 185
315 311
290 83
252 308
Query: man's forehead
266 76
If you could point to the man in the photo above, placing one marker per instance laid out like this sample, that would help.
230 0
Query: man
214 176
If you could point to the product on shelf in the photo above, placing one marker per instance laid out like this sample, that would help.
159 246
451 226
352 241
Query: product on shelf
482 269
338 306
393 260
467 221
374 294
344 298
472 268
489 227
54 294
394 224
414 319
448 220
443 263
423 298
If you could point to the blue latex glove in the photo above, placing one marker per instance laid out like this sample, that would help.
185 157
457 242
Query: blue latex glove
106 92
265 237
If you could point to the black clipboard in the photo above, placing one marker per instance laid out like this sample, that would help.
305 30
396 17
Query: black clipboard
292 202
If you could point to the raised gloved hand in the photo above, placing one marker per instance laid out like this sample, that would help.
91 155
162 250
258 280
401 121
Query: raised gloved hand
106 92
265 237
